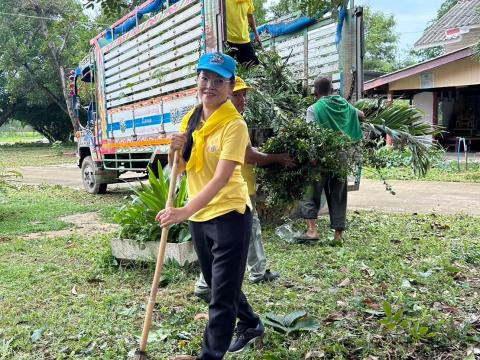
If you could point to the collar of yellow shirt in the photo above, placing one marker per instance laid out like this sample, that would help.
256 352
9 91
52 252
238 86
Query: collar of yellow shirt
221 117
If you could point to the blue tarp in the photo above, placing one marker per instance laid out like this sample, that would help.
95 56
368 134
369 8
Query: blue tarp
130 23
286 27
291 26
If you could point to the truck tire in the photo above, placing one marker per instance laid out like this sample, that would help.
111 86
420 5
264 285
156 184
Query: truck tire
89 179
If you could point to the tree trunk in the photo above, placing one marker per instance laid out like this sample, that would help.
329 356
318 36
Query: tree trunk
7 113
56 56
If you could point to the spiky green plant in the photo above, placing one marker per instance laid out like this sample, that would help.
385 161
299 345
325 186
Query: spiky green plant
137 219
404 124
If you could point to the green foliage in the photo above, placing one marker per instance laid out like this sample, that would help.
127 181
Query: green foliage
403 123
308 7
37 52
314 149
260 11
276 96
397 321
109 307
7 181
294 322
57 148
137 219
387 157
381 41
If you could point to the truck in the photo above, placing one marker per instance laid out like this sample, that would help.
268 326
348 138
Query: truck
138 80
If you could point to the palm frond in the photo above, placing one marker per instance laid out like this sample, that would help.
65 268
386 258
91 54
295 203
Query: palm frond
404 124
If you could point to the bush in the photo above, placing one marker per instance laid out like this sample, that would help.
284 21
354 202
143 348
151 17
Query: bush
137 219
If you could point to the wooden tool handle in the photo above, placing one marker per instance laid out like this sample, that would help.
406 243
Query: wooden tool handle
161 255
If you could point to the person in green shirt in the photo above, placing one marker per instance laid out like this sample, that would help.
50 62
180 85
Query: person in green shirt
333 112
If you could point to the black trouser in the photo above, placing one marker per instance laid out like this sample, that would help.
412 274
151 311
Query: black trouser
336 193
222 245
243 53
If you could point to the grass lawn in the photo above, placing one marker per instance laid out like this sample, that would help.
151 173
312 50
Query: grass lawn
37 209
13 156
66 298
448 172
20 137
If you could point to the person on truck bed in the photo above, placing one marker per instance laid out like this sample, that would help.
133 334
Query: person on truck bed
333 112
256 260
239 17
213 139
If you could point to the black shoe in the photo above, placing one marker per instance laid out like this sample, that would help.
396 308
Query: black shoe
204 296
244 337
267 277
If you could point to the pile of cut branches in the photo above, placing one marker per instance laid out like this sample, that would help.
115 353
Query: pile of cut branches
277 101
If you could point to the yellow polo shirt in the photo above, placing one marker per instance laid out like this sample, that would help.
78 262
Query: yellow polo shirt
227 143
248 174
237 21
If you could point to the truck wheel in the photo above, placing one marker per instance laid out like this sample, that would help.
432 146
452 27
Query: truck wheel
89 179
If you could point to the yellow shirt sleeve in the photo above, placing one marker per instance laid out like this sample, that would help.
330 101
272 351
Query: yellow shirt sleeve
251 7
235 141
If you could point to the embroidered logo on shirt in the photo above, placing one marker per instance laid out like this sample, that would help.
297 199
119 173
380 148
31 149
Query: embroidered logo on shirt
213 148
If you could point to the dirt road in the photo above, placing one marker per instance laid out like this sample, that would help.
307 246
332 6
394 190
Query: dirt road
411 196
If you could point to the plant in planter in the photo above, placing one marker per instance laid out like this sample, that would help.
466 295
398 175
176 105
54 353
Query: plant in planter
139 233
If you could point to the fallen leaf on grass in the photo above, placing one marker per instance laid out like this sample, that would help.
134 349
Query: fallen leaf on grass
437 226
344 283
315 354
94 280
201 316
444 308
335 316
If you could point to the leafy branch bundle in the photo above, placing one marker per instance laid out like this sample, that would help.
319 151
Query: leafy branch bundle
276 97
278 101
314 150
137 219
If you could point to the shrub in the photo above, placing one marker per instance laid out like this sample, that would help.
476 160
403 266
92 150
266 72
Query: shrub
137 219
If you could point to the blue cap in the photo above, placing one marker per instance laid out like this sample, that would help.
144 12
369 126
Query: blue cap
218 63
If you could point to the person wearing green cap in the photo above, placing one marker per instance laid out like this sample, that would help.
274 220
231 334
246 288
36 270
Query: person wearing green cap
336 113
213 139
256 259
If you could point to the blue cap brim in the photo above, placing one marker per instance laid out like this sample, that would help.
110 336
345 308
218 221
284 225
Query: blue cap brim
217 70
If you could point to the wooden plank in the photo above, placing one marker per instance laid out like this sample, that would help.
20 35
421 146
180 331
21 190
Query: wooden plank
144 62
149 73
188 29
189 37
155 82
179 17
183 84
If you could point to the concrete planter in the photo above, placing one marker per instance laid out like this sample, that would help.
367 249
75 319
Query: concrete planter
130 250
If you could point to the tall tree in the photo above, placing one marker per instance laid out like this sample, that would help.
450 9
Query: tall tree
307 7
42 40
381 41
260 11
